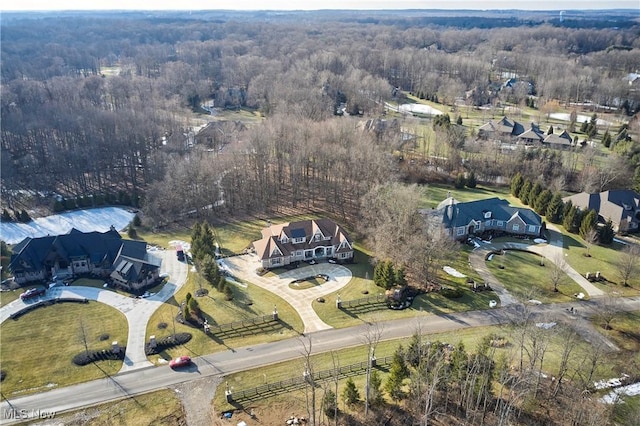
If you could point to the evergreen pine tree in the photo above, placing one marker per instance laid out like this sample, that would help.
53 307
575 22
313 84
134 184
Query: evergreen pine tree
606 139
524 192
400 279
24 216
397 373
516 184
228 292
536 189
375 389
554 209
542 202
459 120
606 233
588 222
329 403
6 216
471 180
350 394
569 218
458 183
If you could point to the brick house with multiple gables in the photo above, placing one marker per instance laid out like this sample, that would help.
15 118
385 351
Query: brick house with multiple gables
622 206
287 243
462 220
100 254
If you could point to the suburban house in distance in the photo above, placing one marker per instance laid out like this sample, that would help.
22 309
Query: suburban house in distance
492 215
100 254
510 131
286 243
622 206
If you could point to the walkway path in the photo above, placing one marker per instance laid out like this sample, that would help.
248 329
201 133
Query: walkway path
137 311
244 267
553 251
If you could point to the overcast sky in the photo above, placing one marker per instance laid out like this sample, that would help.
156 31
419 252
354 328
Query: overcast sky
314 5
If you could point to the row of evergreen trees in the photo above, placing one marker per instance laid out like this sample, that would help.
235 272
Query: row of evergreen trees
550 205
385 275
203 250
121 198
21 216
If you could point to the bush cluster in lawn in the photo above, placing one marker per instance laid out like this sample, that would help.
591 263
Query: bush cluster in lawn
87 357
167 343
452 293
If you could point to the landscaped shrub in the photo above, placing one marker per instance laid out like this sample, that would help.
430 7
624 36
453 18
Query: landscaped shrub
162 325
87 357
452 293
3 374
167 343
103 337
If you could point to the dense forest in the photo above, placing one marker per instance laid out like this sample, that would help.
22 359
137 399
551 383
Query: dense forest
95 105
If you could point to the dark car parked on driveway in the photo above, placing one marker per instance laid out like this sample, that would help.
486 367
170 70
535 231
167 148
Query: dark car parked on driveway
33 292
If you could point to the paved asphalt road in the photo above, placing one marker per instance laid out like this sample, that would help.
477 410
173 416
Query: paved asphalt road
144 380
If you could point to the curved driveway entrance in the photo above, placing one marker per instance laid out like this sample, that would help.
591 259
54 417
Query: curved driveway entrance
137 311
244 267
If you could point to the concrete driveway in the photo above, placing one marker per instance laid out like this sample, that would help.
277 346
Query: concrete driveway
244 267
553 251
137 311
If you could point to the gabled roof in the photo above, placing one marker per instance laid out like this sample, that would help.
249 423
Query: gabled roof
563 138
531 134
31 254
617 205
455 214
272 237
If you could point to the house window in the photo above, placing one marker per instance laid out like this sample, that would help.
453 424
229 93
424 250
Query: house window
500 223
460 231
284 240
532 228
317 237
298 240
516 227
487 223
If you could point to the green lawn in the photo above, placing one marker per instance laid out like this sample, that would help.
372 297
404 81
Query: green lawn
426 304
435 193
288 369
248 302
37 349
155 408
602 259
526 279
7 297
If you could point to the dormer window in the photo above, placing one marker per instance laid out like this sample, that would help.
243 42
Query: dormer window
487 214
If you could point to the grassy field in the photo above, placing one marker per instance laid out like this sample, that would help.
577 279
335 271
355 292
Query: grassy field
470 338
37 349
426 304
7 297
156 408
286 370
526 279
435 193
248 302
602 259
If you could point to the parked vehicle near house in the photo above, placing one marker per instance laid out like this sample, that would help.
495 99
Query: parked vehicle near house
33 292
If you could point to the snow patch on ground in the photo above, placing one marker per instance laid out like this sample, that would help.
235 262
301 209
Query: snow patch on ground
617 240
629 390
545 325
539 241
453 272
99 219
419 108
579 119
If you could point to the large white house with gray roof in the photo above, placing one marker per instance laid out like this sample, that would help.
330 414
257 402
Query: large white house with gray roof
492 215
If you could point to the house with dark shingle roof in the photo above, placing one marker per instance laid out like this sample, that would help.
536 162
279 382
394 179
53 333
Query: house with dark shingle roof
101 254
287 243
622 206
559 141
494 215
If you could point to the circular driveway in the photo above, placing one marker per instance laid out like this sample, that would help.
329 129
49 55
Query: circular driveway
244 267
137 311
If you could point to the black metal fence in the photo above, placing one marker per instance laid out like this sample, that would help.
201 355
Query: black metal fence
249 322
298 382
369 300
